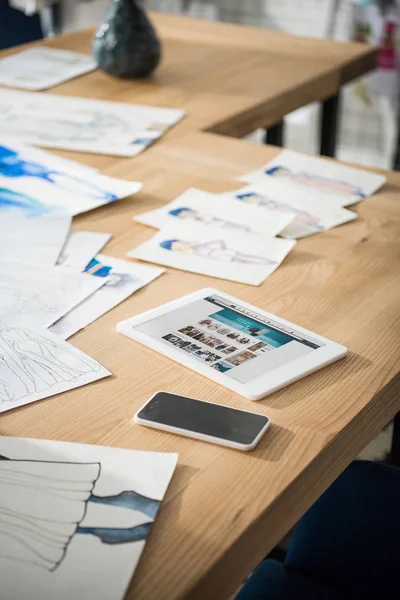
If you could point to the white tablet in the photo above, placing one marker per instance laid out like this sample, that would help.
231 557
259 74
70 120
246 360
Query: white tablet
238 345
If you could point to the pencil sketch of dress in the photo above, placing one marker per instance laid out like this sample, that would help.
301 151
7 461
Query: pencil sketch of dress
43 504
31 363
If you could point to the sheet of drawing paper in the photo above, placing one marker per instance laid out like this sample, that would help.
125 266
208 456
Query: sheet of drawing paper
215 251
37 364
44 294
38 240
81 247
75 518
214 209
311 213
54 121
39 186
341 184
41 68
123 279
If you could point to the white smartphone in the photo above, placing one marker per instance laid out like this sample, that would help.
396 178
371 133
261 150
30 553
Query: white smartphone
204 421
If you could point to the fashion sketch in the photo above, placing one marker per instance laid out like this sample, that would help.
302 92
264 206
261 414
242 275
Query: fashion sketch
43 505
13 166
302 217
322 184
207 219
32 364
216 250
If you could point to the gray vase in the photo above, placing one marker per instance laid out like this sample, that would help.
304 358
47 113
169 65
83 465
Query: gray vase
126 44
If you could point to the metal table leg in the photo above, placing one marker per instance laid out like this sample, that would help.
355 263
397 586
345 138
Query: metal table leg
329 126
274 135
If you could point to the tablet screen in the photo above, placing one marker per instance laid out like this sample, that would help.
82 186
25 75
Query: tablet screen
229 338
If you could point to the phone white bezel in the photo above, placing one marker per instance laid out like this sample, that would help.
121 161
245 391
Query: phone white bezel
259 387
202 436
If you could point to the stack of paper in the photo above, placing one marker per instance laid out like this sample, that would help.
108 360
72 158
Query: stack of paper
217 236
116 128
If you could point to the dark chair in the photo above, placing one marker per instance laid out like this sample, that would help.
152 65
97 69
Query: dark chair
16 28
346 547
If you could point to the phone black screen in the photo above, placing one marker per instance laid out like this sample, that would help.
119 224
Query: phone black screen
202 417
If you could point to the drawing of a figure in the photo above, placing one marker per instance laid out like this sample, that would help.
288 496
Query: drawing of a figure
116 280
323 184
43 505
10 199
195 215
217 250
12 166
301 216
30 363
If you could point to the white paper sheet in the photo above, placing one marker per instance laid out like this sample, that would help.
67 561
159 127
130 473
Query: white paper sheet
116 128
39 184
340 184
81 247
36 364
41 68
44 294
216 210
110 496
311 213
216 252
36 239
124 278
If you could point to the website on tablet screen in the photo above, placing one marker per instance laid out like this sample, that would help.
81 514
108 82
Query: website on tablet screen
231 339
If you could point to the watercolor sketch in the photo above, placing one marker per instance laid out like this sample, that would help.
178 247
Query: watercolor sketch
216 210
216 250
301 216
40 183
317 182
336 183
84 124
54 504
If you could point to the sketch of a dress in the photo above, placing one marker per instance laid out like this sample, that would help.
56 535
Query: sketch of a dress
43 504
31 363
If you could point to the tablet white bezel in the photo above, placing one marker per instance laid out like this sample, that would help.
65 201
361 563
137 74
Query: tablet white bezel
259 387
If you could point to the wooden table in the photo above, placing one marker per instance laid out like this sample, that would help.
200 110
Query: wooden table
230 79
225 510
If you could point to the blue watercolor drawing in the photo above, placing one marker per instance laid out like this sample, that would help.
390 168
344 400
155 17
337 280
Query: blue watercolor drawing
44 478
10 199
13 166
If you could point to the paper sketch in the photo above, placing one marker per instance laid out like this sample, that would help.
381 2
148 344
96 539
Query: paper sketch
41 68
213 209
42 294
81 247
216 252
36 364
123 279
120 129
310 212
342 185
38 240
65 504
53 185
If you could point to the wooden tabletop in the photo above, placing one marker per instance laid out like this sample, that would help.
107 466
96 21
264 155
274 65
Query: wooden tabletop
230 79
225 509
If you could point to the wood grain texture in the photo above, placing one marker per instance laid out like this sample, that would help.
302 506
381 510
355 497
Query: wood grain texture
230 79
225 510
